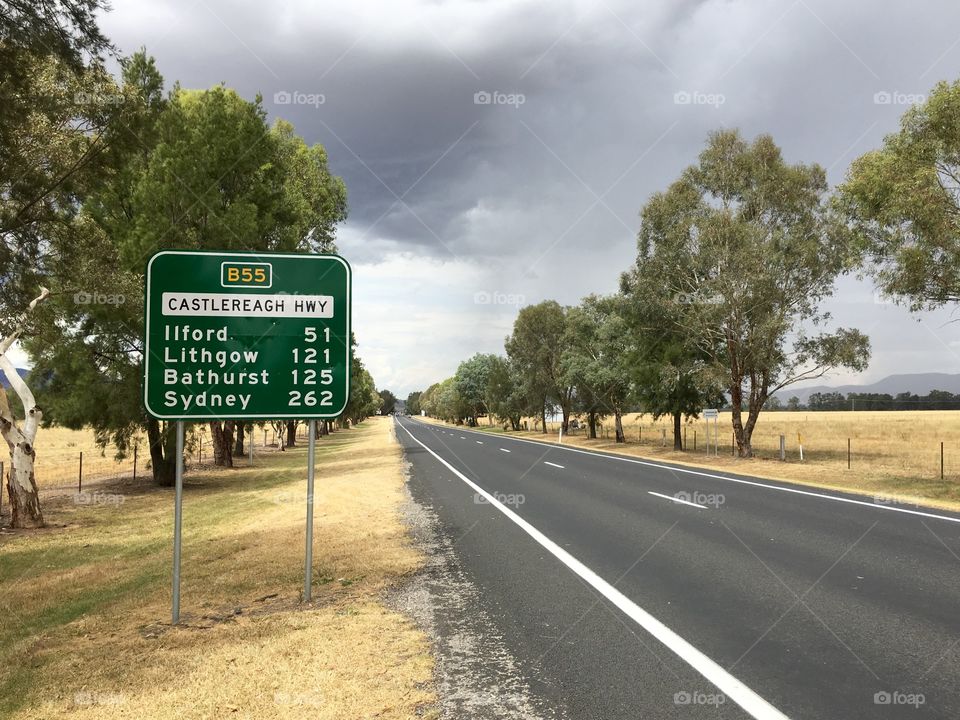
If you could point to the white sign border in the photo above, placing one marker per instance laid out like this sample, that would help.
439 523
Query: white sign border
249 255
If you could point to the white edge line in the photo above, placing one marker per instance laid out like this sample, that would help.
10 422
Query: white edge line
547 462
742 695
677 500
688 471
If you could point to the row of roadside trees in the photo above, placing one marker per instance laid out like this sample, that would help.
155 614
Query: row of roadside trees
723 304
97 172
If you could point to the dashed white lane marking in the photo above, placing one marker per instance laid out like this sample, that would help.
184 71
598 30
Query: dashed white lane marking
479 442
741 481
677 500
754 705
546 462
504 450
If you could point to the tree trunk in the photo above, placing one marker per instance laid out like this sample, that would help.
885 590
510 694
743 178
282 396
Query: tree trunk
566 419
238 444
677 435
618 426
163 448
21 480
740 434
592 422
221 433
515 422
543 416
291 433
22 488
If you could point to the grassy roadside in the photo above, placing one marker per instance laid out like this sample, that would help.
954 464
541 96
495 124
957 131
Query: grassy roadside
85 603
874 478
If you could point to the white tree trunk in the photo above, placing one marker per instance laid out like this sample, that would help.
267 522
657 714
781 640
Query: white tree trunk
21 482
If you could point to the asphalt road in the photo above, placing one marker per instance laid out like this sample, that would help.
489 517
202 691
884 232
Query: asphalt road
748 599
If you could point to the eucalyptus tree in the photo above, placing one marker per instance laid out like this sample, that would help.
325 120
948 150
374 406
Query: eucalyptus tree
507 395
598 351
742 249
535 346
200 170
472 381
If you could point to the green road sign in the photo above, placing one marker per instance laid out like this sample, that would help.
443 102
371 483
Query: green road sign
246 335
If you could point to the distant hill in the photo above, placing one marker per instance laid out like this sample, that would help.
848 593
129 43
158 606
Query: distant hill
22 372
916 383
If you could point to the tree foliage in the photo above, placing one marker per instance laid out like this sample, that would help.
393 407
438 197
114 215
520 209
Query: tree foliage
192 169
903 201
536 346
597 351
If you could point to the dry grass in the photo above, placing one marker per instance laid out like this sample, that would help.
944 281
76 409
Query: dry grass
85 604
58 455
895 455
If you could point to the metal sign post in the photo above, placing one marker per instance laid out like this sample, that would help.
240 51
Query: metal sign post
308 570
246 336
712 414
177 523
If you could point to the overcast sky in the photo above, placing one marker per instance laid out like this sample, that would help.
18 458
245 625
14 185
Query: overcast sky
498 153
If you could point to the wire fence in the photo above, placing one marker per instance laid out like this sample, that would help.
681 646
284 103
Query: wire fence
76 463
912 444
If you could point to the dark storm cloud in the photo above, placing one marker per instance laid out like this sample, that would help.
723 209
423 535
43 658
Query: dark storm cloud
601 87
543 195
